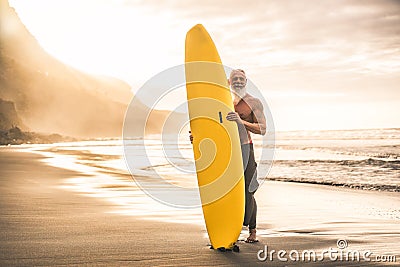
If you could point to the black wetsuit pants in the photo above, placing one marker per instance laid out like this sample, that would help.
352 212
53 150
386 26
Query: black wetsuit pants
251 185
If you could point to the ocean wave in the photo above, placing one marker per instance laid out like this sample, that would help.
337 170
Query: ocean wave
356 134
381 152
382 163
370 173
373 187
390 152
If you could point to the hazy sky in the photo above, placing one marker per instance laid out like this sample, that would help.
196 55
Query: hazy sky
320 64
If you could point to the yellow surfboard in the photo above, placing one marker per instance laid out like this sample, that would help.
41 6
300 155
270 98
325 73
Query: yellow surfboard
216 143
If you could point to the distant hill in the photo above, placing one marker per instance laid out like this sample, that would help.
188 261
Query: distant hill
45 95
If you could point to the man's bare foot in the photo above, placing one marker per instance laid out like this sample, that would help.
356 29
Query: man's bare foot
252 237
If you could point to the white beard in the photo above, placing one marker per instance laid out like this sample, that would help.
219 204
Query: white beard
238 95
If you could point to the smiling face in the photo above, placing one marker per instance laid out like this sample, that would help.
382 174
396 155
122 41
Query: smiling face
238 81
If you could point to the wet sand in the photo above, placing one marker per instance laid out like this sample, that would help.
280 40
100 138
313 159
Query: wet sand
43 224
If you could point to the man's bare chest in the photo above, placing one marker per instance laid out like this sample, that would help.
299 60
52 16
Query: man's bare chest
244 111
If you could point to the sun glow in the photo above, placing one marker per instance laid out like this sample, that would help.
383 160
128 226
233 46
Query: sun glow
296 65
99 37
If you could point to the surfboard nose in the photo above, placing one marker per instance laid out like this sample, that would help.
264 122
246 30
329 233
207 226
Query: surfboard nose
202 46
197 27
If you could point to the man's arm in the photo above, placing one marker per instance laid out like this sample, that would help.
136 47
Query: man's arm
259 126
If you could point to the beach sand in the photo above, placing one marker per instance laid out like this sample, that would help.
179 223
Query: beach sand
44 224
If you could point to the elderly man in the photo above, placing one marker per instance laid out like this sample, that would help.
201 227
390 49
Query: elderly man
249 117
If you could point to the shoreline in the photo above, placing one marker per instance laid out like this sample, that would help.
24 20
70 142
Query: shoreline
82 155
43 224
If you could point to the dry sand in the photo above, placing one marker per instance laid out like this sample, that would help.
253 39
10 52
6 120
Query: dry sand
43 224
